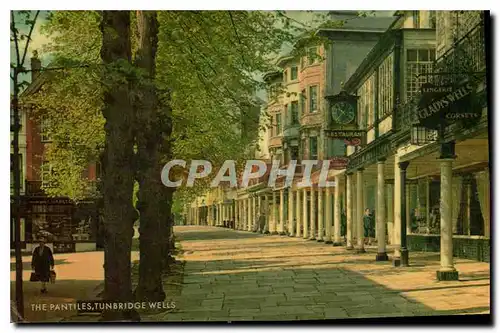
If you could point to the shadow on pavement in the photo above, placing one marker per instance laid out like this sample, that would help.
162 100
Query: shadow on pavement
27 265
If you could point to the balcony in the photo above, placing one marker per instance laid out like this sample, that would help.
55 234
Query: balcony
465 60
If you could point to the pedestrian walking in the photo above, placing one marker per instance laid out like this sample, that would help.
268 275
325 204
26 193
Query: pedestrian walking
368 227
343 225
42 262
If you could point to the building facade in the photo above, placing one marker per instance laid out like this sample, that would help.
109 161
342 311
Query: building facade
67 226
370 102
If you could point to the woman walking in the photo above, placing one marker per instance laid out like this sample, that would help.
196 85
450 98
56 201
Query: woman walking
368 227
42 262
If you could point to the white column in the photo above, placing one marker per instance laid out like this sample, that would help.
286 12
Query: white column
254 212
291 209
312 217
298 216
242 214
336 211
380 212
249 214
390 212
396 234
349 215
328 213
447 270
236 214
305 221
259 212
359 211
232 210
266 213
282 212
274 213
320 215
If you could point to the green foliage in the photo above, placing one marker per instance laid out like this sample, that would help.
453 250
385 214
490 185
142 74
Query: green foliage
208 69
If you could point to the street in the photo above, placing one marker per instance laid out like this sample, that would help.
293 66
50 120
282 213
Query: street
235 275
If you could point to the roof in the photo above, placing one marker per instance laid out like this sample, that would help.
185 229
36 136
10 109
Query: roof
271 74
282 60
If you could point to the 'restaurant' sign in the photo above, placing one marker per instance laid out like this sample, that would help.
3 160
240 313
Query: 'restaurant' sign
446 104
350 137
339 162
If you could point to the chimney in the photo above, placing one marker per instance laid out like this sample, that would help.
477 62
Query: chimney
36 65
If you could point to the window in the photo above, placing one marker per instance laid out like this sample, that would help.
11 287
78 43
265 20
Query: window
294 73
294 113
271 132
285 75
313 148
418 61
336 147
366 102
385 87
45 173
278 124
303 99
313 99
45 129
312 55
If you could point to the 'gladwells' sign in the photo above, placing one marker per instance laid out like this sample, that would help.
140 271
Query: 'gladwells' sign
443 105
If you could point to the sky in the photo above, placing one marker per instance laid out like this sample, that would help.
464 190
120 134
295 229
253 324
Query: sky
37 42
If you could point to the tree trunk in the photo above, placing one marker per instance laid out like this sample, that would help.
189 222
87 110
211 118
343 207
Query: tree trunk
118 175
152 134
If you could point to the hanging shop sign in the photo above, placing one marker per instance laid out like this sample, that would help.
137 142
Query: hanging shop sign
338 162
444 105
350 137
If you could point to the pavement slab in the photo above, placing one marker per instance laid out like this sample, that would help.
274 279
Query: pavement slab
242 276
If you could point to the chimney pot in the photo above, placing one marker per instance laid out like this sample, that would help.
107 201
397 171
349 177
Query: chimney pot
36 65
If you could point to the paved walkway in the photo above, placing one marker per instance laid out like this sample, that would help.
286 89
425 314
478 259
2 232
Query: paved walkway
79 276
236 275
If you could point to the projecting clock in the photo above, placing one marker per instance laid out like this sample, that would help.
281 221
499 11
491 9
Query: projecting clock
343 112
